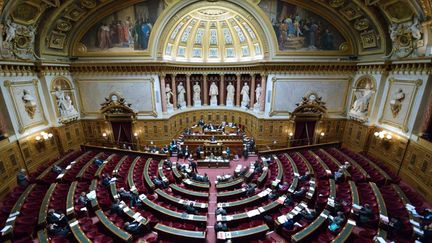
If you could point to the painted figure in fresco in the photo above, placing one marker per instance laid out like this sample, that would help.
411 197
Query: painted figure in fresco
104 40
327 40
145 34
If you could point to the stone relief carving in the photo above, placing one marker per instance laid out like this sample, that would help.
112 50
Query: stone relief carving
17 40
64 104
29 103
405 37
396 102
362 94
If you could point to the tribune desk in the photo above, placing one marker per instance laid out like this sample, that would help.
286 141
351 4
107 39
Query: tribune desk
214 162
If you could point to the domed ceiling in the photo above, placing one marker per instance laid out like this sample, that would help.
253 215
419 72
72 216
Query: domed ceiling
213 34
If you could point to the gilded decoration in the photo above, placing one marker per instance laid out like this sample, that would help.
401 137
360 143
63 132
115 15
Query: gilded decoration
210 34
115 105
399 101
405 38
311 104
398 11
26 13
18 41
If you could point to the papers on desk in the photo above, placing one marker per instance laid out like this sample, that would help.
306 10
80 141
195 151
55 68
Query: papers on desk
352 222
261 209
252 213
415 223
328 172
218 217
282 219
330 202
133 189
91 195
68 167
324 215
73 162
105 161
60 176
69 210
83 209
6 228
384 218
263 193
142 197
281 200
73 223
380 239
418 231
187 181
296 174
10 219
229 218
357 207
16 213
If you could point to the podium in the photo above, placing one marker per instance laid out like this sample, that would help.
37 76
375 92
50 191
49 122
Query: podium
215 148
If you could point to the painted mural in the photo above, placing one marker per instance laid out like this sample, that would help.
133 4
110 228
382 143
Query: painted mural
298 29
126 30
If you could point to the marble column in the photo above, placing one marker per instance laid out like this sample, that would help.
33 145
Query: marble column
174 90
252 93
222 90
264 91
205 90
238 96
188 90
163 94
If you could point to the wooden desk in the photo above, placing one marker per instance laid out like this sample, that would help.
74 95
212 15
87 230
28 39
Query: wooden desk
382 209
147 178
306 162
173 214
264 174
196 185
93 187
243 235
100 169
117 167
312 228
293 165
346 173
80 175
346 232
16 209
49 168
111 227
130 175
42 236
160 171
43 210
214 163
181 235
79 234
279 168
180 202
244 202
388 178
70 200
186 192
332 184
234 193
230 184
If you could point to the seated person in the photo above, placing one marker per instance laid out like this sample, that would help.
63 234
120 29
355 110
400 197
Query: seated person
250 190
395 225
289 224
300 193
115 207
56 169
168 163
345 166
219 226
190 209
83 199
54 217
125 195
305 177
158 182
427 232
205 178
288 200
283 188
132 227
258 169
228 151
365 214
338 175
221 211
336 222
427 215
165 149
106 179
56 230
98 162
308 214
273 194
22 179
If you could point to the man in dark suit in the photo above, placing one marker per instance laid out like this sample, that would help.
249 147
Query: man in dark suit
132 227
193 166
58 218
125 195
83 199
190 209
56 169
55 230
115 207
22 179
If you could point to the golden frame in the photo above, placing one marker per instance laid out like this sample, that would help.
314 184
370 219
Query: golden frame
152 112
21 126
404 126
287 79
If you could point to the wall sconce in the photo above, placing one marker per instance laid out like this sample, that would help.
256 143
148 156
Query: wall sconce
43 137
322 134
136 135
290 135
383 135
104 135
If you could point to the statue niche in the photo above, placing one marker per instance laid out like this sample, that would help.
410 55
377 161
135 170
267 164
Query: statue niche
362 94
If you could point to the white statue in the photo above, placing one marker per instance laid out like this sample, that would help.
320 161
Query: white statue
29 103
393 31
361 104
214 92
245 94
258 91
168 93
10 31
181 95
197 94
64 103
230 94
415 30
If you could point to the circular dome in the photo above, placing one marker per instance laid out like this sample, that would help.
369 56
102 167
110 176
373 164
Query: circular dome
213 34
